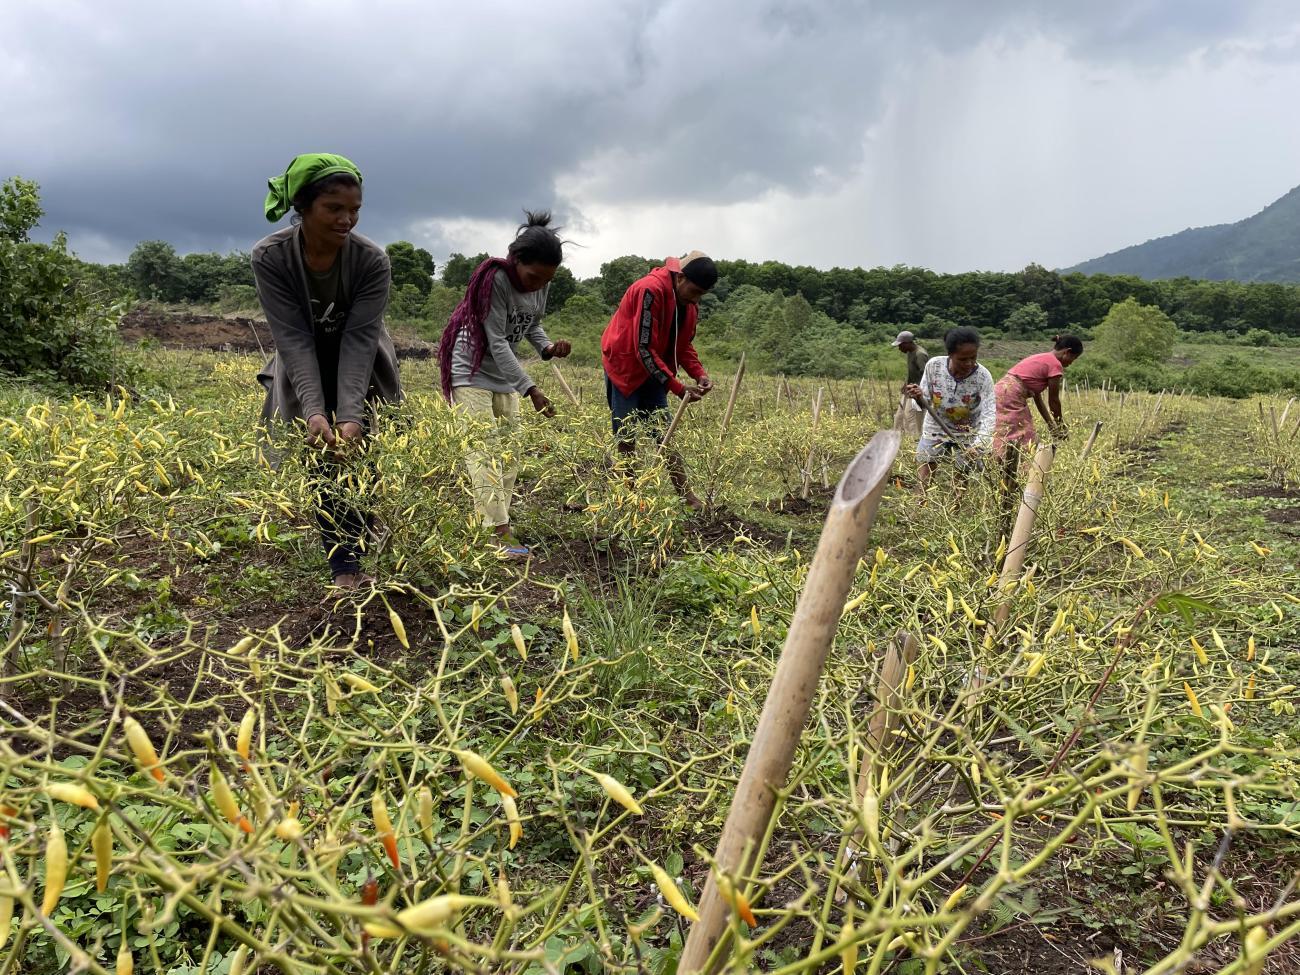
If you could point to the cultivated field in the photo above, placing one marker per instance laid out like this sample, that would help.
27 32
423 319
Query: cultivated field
1111 777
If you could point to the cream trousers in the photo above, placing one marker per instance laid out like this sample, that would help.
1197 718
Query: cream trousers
494 464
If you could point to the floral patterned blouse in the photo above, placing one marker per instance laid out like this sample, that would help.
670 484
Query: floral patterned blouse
969 405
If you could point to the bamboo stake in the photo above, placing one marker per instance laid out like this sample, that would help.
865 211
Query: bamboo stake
811 633
901 654
672 427
1023 530
1092 439
735 390
806 488
573 397
1285 410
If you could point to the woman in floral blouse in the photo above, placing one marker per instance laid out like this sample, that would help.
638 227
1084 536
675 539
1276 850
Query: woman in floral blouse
960 407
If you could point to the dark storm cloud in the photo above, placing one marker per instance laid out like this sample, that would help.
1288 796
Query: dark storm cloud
153 120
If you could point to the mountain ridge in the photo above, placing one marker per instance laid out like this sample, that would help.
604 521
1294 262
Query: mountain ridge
1262 247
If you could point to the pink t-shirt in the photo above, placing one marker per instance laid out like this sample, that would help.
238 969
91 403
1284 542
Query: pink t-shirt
1036 370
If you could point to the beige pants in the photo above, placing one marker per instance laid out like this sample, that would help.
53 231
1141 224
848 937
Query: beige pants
492 470
907 418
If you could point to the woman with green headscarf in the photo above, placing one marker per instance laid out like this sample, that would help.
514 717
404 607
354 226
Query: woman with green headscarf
324 288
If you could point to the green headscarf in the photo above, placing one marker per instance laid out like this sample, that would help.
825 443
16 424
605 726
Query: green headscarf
303 171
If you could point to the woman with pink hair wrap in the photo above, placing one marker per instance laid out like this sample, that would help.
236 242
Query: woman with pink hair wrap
481 374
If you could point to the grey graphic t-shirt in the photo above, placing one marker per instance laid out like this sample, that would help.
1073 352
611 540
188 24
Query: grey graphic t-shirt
329 311
513 317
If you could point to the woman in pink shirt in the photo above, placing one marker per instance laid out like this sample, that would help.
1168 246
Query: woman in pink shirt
1027 379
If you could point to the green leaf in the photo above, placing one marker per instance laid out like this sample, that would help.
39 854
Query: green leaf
1185 606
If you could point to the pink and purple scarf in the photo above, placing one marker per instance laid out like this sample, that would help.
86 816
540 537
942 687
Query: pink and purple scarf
470 315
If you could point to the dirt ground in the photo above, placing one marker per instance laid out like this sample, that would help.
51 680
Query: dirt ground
185 330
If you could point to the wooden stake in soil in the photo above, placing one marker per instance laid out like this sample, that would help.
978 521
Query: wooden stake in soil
1023 530
811 633
900 655
672 427
805 488
902 652
1285 410
735 390
1092 439
573 397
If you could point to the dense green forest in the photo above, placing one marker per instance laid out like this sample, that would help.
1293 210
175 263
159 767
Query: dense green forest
803 321
1263 247
1032 302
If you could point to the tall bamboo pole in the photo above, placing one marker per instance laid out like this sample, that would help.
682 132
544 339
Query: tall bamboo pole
573 398
811 633
735 390
1023 530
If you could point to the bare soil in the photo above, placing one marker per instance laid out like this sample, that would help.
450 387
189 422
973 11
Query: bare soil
220 333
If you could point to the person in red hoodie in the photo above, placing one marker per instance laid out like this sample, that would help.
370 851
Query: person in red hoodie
646 342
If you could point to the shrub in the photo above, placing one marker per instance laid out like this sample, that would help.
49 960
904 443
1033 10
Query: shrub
237 297
1136 333
52 326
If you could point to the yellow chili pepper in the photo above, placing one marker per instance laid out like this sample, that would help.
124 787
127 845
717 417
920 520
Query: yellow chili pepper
142 748
1193 700
517 635
224 800
512 817
424 812
424 918
672 893
616 791
512 696
56 869
570 635
244 741
477 766
358 683
737 900
384 827
69 792
101 841
1201 655
399 628
289 828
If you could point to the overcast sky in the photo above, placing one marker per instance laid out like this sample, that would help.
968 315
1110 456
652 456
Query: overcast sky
953 134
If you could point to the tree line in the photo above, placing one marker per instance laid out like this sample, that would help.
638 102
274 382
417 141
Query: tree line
1032 302
794 319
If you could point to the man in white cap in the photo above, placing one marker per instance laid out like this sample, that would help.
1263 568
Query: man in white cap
909 415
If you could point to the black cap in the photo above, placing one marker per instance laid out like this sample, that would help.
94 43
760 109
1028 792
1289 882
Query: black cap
701 272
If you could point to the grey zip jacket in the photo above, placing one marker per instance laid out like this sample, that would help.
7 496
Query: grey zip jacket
367 361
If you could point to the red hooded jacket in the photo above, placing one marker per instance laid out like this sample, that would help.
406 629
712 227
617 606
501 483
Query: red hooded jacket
650 335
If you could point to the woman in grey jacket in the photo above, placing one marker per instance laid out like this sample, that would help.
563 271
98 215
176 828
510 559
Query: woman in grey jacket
323 289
